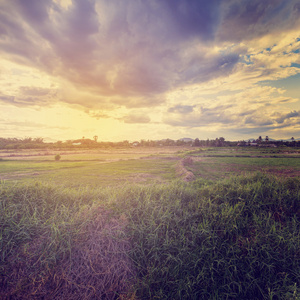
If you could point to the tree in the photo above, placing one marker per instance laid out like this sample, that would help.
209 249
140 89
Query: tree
95 137
39 140
27 140
267 139
221 141
197 142
293 141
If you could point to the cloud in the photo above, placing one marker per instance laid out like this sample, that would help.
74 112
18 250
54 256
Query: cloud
98 115
230 113
127 50
30 96
136 119
194 18
286 117
34 91
198 63
200 116
182 109
7 98
248 20
25 125
257 121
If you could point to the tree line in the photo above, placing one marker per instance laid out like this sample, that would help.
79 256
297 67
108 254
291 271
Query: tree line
39 143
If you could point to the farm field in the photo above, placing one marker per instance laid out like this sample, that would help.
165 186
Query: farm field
150 223
212 164
90 167
143 165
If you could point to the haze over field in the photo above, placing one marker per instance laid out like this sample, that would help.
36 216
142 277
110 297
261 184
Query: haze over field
150 69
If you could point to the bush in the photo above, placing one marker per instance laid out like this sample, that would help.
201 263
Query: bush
57 157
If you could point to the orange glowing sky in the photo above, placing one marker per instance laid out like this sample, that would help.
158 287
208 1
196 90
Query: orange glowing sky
131 70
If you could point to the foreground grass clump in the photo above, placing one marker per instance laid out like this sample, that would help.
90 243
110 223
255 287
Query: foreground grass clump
237 238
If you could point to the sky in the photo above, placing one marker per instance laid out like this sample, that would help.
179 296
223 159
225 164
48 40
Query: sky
149 69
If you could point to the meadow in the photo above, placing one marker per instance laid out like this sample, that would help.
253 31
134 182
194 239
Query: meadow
153 223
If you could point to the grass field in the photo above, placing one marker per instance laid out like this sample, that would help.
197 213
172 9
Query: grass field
149 165
90 167
129 224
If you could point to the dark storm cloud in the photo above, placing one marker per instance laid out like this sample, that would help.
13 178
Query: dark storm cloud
194 18
245 20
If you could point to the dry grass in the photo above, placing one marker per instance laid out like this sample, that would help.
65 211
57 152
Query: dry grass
112 154
183 172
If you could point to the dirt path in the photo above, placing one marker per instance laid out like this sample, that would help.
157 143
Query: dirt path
182 171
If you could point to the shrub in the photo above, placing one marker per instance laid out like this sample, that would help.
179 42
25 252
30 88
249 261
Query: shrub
57 157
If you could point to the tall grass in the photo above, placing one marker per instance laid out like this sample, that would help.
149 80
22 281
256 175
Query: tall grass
58 243
238 238
235 239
